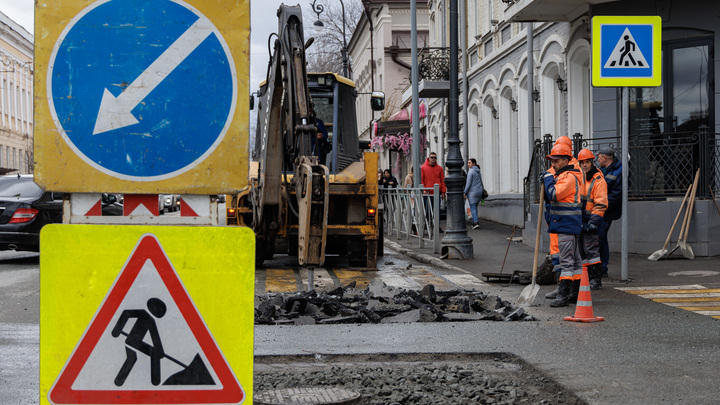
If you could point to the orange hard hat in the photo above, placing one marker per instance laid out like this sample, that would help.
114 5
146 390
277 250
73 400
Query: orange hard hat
558 151
585 154
564 140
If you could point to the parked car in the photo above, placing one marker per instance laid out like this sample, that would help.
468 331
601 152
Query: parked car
24 209
112 204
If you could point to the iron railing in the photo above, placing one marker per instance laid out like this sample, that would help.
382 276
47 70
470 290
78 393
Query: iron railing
408 213
660 165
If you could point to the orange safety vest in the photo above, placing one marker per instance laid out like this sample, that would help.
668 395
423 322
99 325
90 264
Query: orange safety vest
594 196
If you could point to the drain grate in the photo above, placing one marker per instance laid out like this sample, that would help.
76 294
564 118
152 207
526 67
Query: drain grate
307 395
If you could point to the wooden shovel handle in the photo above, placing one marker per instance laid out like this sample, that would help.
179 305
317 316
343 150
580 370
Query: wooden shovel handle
687 211
691 204
672 228
537 233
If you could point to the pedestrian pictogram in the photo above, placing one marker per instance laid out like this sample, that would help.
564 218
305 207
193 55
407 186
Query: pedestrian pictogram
626 51
141 92
147 344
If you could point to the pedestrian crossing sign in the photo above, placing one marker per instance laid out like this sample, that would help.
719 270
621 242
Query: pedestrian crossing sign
626 51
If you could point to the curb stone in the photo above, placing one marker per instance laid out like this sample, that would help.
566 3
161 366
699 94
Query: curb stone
421 257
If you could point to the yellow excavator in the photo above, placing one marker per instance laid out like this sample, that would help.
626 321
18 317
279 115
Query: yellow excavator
313 191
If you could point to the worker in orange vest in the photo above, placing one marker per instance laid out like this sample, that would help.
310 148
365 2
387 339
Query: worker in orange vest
595 201
553 249
564 216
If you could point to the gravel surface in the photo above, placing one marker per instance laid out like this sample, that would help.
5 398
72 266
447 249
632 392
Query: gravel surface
418 379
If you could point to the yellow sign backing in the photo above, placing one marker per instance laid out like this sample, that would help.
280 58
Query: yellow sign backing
198 286
626 51
143 96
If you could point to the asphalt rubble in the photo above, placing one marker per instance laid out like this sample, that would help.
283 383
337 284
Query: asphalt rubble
380 303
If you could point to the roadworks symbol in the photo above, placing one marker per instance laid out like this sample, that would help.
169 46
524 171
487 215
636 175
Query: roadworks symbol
147 344
626 53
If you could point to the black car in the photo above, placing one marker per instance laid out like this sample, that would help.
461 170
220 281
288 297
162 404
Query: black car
24 209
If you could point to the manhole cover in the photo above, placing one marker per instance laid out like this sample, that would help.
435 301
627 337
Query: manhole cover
307 395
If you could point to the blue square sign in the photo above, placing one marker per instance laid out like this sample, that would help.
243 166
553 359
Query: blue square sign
626 51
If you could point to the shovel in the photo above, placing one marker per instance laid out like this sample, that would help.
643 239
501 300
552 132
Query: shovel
662 253
527 296
685 249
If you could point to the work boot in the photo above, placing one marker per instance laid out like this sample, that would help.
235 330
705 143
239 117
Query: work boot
574 291
552 294
595 275
563 296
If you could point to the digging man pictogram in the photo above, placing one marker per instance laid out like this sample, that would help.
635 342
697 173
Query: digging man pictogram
134 341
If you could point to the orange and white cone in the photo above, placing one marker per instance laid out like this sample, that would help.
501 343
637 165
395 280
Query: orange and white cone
583 308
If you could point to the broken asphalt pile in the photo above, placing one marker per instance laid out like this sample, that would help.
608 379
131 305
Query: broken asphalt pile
379 303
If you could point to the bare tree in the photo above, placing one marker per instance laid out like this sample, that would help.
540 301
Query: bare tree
325 55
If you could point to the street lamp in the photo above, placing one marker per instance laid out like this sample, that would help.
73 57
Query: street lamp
318 26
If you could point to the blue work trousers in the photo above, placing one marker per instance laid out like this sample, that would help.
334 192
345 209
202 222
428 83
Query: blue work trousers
604 249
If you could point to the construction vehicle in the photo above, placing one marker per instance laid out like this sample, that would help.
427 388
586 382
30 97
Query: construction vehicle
311 192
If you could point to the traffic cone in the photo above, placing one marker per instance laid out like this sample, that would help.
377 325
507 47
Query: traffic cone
583 308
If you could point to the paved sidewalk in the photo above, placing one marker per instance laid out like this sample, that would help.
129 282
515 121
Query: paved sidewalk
490 242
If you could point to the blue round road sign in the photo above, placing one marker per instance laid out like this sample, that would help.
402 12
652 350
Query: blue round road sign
142 89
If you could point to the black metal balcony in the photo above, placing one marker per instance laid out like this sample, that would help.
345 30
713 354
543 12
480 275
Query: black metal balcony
434 64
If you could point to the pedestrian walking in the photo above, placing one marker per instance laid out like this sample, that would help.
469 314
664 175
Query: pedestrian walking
388 180
408 179
594 200
431 173
474 190
611 169
564 216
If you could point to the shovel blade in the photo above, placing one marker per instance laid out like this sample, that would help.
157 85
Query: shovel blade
528 294
688 252
658 254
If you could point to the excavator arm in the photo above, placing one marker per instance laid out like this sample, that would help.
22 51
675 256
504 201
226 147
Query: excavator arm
284 143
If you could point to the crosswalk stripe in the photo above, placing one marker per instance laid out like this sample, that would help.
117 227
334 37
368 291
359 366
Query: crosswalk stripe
668 287
280 280
395 278
694 298
666 291
682 301
699 294
702 308
347 276
424 277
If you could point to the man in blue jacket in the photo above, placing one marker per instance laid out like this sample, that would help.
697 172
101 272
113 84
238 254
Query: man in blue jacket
612 171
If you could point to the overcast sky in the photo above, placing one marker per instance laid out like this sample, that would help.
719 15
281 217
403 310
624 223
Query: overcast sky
263 21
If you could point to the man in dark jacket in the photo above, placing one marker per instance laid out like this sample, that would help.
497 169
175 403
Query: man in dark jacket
473 190
612 171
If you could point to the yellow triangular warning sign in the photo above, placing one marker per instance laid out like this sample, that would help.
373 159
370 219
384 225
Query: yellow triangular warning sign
147 344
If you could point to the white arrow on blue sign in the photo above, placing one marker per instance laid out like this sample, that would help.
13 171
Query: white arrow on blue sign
142 89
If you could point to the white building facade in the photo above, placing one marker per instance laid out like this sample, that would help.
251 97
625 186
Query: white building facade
380 52
16 98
